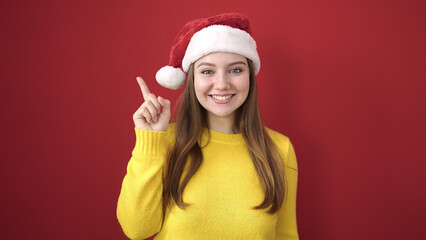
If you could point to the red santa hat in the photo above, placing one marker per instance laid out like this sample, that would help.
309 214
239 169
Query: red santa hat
227 32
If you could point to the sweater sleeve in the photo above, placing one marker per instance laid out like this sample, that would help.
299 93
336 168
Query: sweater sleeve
286 223
139 207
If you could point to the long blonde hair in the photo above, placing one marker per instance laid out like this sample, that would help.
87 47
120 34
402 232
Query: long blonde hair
191 120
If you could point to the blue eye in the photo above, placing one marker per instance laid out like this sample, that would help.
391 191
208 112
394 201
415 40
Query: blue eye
207 72
236 70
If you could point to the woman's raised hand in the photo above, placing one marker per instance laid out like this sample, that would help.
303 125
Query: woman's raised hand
154 113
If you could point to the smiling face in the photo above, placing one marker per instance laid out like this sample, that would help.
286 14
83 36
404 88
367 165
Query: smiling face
222 83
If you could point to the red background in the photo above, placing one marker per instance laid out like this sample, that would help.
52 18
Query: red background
345 80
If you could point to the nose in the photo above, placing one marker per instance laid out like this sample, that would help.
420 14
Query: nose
222 82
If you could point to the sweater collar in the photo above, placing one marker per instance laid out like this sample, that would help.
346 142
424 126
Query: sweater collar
222 138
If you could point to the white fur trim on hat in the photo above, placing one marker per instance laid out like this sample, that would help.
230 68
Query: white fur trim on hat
220 38
170 77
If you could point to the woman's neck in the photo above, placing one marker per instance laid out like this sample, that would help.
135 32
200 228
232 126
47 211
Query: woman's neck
222 124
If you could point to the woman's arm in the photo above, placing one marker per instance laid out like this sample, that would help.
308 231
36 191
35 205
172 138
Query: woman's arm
287 224
139 207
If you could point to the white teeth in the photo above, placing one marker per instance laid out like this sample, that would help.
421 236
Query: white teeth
222 97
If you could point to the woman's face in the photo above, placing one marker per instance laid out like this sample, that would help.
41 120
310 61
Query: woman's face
221 82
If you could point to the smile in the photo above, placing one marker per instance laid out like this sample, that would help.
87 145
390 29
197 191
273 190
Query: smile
222 98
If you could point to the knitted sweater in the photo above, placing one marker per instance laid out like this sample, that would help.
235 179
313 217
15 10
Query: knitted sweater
221 193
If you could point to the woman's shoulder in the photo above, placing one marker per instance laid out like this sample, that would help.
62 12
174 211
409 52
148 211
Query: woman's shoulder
277 136
284 147
281 141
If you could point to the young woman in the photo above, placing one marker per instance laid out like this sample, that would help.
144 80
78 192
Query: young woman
217 172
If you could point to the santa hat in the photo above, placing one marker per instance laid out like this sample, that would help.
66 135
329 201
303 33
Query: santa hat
228 32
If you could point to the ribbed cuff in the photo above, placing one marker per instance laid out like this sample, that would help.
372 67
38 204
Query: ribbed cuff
149 142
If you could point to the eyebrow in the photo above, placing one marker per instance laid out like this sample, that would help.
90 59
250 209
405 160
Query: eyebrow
211 64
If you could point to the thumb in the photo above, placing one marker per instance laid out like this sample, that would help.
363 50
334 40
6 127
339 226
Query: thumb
164 103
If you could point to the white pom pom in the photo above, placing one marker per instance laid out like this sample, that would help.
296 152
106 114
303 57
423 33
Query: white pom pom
170 77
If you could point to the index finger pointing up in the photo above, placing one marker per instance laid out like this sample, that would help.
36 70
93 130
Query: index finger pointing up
144 87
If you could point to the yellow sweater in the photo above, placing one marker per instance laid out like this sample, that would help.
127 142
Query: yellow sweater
221 194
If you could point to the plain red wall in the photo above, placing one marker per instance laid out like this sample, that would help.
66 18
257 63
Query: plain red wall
345 80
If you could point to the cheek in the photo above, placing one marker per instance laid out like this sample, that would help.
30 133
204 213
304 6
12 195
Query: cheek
199 88
243 85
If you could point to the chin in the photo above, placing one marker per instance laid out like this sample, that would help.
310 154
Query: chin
222 114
